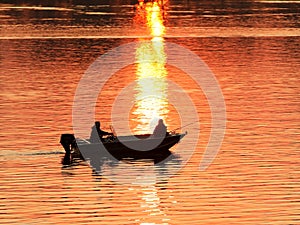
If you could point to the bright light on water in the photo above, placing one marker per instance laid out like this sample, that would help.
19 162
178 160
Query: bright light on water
151 98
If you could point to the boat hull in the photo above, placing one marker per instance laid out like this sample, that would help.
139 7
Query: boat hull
141 147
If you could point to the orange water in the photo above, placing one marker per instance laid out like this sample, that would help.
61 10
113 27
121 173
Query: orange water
252 49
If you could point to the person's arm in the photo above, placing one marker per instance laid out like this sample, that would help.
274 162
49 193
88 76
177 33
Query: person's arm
102 132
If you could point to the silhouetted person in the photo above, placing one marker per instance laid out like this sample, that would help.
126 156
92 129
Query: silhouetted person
97 133
68 142
160 129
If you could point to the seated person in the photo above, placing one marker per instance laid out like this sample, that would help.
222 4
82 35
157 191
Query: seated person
97 133
68 142
160 130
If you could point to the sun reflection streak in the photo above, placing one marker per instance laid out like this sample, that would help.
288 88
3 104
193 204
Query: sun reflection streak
151 100
150 200
155 19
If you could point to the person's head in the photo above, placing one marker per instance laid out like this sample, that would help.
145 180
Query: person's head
97 123
160 121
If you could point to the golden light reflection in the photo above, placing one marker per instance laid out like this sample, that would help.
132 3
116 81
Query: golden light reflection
151 100
150 199
151 205
155 19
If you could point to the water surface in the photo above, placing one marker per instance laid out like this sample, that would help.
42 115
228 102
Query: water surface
253 50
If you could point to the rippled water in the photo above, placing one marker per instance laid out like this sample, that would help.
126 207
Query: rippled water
252 48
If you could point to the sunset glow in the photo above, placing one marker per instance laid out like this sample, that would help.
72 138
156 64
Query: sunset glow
155 19
151 73
223 75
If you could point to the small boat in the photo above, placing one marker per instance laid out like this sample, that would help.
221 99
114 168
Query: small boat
144 146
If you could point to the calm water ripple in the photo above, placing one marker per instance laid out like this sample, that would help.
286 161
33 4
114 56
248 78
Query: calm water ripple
252 47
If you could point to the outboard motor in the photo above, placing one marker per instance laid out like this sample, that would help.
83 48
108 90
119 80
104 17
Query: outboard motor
67 141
